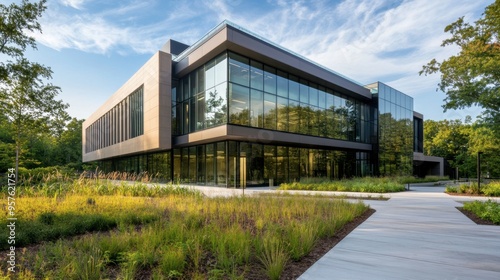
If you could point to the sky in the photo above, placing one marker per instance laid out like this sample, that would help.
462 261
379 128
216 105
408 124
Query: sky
95 46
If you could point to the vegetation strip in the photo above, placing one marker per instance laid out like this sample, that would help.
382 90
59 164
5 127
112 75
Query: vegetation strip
365 184
168 232
488 212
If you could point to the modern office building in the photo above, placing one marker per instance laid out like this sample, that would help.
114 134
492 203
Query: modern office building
237 110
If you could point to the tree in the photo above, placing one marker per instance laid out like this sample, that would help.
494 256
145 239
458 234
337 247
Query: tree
26 99
15 21
70 144
459 144
472 77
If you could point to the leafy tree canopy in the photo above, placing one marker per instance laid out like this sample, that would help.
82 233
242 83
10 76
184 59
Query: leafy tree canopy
472 77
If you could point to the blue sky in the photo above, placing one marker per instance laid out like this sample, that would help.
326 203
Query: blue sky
94 46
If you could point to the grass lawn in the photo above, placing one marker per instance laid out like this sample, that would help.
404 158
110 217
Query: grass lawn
92 229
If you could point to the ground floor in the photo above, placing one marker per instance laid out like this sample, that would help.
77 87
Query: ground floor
239 163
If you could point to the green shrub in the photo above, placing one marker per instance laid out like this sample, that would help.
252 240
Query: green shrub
491 189
488 210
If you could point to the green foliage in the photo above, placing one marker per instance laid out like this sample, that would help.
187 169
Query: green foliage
33 127
273 256
489 189
365 184
460 142
488 210
471 77
175 234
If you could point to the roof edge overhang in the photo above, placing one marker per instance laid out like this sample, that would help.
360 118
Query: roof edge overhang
228 36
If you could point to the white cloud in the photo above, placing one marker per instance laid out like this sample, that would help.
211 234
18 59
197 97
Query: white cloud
366 40
76 4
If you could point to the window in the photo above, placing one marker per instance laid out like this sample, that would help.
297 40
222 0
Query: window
238 108
269 111
256 75
256 108
239 69
269 79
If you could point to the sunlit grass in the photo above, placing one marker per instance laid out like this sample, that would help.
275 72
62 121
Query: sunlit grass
91 228
365 184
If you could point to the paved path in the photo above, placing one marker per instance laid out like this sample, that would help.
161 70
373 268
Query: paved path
415 235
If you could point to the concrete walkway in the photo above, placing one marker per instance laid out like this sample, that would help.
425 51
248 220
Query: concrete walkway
415 235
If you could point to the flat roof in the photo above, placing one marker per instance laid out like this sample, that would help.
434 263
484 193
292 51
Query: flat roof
248 42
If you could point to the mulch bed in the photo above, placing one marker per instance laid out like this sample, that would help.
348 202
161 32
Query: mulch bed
475 218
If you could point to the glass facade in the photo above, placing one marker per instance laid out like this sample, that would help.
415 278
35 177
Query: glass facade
124 121
236 164
237 90
395 130
199 99
156 164
234 89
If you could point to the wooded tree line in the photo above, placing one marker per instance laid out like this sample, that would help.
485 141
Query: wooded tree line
459 142
35 129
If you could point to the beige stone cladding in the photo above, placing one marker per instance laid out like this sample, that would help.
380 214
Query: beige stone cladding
155 77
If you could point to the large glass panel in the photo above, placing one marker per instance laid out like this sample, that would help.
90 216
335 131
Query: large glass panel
322 97
330 123
233 164
313 117
303 118
200 114
329 100
293 88
192 164
201 79
210 74
185 87
294 164
269 164
254 162
282 165
293 116
239 69
256 75
304 91
185 117
257 108
193 83
221 163
305 163
215 102
282 107
238 108
192 115
313 95
269 79
185 165
210 168
269 111
200 164
220 69
175 120
282 83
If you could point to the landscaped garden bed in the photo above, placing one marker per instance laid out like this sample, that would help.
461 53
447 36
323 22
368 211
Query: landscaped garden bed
365 184
482 212
96 229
